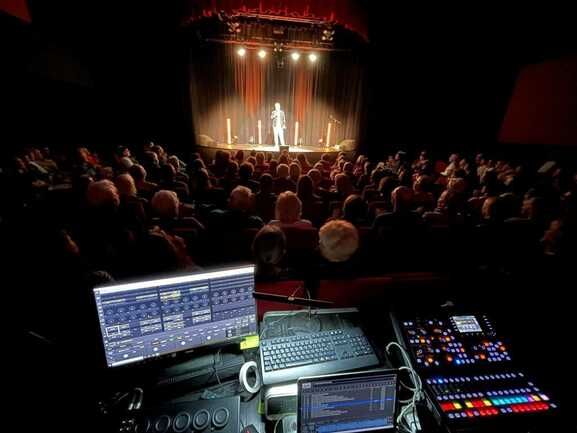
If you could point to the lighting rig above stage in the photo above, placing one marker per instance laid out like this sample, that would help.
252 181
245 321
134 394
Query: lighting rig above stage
283 34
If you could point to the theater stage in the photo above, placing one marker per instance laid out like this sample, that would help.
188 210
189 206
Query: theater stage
313 152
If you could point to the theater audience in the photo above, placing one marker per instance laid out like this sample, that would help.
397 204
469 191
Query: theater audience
403 205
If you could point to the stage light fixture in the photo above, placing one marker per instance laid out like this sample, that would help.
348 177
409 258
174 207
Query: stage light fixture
295 56
313 57
241 51
262 53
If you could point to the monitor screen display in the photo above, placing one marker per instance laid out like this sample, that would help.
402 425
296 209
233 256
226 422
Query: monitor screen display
466 324
157 317
346 403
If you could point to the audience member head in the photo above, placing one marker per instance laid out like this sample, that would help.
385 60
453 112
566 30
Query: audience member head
175 162
282 171
268 247
138 173
348 168
343 184
168 173
201 180
316 176
272 167
305 188
259 158
165 204
102 195
354 209
240 199
125 185
402 198
245 171
266 184
288 208
294 171
151 159
338 240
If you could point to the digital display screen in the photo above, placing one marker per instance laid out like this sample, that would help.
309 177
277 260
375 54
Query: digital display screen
347 404
158 317
466 324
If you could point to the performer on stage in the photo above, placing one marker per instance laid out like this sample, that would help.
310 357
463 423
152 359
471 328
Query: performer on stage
278 124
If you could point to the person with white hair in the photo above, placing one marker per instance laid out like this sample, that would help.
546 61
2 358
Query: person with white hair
338 241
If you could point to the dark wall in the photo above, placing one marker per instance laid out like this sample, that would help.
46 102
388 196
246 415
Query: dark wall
104 86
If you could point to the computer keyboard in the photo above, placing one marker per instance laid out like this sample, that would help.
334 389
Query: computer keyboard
284 359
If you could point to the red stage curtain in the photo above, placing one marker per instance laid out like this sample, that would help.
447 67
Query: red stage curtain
223 85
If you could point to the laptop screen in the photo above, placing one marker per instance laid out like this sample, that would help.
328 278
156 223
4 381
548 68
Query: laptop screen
345 403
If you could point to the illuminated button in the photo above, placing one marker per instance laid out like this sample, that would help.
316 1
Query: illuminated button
544 397
535 397
469 404
457 405
487 402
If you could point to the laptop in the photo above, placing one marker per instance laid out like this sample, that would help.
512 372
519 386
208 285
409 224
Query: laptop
348 402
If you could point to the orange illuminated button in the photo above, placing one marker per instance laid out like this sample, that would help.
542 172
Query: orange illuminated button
449 358
483 356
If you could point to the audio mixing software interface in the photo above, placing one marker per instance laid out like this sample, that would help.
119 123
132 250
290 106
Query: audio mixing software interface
152 318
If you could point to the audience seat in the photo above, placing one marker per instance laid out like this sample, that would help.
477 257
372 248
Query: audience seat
385 292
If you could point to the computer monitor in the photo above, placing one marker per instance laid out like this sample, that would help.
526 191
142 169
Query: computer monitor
158 317
347 402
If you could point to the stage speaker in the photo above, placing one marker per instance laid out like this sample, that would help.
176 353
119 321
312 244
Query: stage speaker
282 148
347 145
205 140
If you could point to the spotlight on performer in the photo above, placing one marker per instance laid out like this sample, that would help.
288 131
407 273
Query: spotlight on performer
296 56
313 57
262 53
241 51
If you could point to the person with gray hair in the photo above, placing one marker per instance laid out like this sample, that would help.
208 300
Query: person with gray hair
102 194
240 212
283 182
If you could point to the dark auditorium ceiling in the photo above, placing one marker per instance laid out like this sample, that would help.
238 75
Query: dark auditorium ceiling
523 35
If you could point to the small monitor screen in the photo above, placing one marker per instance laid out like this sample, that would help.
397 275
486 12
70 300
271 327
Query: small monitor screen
157 317
348 403
466 324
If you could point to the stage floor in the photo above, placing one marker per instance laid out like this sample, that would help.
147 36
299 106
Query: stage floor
273 148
